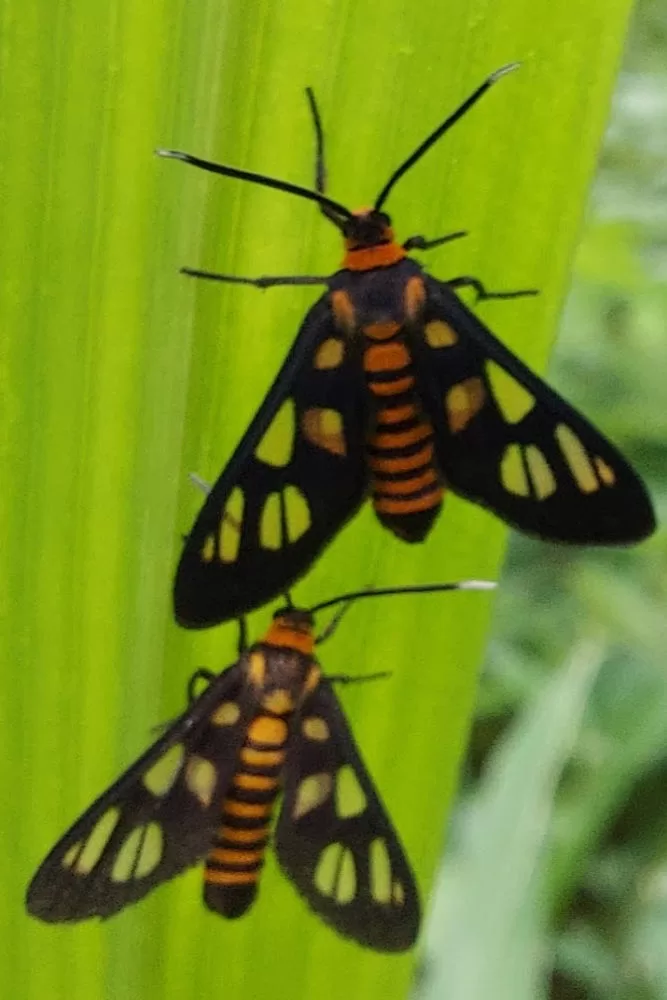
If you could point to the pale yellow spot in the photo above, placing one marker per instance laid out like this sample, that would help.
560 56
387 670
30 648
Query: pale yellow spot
257 669
97 841
315 728
200 777
139 854
440 334
605 472
335 874
297 513
279 701
327 869
380 866
398 894
512 472
270 528
347 879
330 353
463 401
324 428
513 399
226 714
541 475
577 458
276 446
230 525
350 797
311 793
161 776
208 549
71 854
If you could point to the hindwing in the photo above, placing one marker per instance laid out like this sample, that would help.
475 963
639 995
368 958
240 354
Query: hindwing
156 820
505 440
334 839
297 475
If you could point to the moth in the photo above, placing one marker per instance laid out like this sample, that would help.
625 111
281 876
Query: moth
206 790
395 391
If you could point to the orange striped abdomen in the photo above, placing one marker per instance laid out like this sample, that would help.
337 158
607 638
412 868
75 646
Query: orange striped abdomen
406 488
234 863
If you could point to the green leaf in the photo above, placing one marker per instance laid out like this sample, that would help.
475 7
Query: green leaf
119 377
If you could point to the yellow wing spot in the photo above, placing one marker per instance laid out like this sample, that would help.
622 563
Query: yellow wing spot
277 445
380 866
311 793
257 668
330 353
350 797
208 549
605 472
97 841
226 714
267 730
159 778
398 893
512 472
335 875
540 472
324 428
315 728
139 854
463 401
70 856
279 701
577 458
343 310
230 525
200 777
270 527
440 334
297 513
513 399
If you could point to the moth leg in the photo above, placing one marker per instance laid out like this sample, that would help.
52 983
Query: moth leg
200 674
243 635
359 679
266 281
329 629
481 292
421 243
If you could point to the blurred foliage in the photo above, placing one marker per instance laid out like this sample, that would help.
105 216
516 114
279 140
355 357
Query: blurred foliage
589 919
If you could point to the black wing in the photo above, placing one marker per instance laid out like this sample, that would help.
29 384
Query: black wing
334 839
155 821
298 474
507 441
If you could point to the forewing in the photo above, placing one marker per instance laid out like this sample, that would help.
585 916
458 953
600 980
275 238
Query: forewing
334 839
297 475
155 821
507 441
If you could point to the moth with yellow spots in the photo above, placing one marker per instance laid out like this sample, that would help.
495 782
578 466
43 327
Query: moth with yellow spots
206 790
395 390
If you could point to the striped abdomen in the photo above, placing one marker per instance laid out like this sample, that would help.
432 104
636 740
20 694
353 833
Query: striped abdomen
233 865
405 485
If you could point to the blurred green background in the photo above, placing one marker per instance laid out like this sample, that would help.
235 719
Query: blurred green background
118 377
555 877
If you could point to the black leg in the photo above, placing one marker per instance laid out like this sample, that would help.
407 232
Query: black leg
243 636
263 282
347 679
482 293
421 243
200 674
